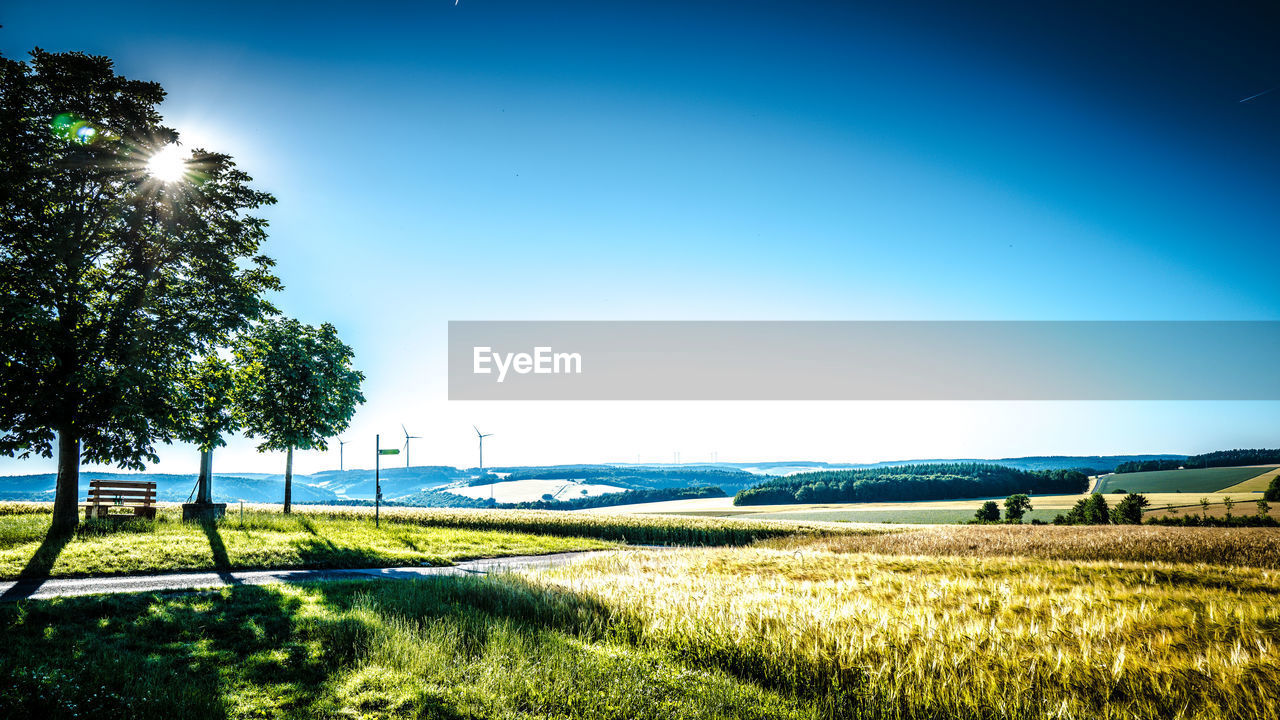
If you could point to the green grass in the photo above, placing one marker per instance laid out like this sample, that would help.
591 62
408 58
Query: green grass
1202 480
263 540
343 538
445 648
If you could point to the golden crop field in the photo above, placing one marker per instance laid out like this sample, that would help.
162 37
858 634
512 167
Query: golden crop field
928 634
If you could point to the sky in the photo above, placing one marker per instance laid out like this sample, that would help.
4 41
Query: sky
506 160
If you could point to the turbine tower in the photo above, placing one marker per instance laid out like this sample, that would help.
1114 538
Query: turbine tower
407 438
341 443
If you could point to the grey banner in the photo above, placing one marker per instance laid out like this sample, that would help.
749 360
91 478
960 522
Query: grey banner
857 360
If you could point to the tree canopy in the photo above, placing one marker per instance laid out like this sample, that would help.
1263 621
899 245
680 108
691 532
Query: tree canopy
110 278
295 387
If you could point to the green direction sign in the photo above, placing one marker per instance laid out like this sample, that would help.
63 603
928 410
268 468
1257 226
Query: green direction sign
389 452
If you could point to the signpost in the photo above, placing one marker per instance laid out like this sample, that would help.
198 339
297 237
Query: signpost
377 477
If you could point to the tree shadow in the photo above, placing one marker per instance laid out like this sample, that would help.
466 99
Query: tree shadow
221 562
36 571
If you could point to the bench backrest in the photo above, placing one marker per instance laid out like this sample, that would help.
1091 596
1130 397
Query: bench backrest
122 492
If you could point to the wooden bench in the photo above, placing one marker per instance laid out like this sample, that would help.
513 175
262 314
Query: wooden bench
138 496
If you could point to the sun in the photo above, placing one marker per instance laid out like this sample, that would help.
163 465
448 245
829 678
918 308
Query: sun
169 164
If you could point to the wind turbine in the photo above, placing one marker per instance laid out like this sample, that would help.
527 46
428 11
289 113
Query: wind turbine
482 436
341 444
407 438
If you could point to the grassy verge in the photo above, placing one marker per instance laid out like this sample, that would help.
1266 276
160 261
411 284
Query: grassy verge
447 648
263 540
344 538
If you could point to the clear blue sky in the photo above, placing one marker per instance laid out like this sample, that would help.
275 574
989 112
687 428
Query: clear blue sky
749 160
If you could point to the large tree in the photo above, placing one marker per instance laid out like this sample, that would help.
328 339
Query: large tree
295 388
112 275
205 413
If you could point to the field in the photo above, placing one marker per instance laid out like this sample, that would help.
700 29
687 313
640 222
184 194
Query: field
515 491
1258 483
1195 480
959 622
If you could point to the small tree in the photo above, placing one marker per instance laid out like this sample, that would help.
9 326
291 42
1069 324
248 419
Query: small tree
1263 507
1129 510
204 413
295 388
1015 506
1096 511
1204 506
1229 504
989 512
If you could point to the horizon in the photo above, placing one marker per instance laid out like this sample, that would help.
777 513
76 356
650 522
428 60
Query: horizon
493 160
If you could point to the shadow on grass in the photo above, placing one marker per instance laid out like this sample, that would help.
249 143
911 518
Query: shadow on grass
37 569
221 563
423 648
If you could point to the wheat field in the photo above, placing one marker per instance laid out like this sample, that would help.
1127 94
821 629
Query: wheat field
920 636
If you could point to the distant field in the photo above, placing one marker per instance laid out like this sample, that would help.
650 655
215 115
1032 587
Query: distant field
925 512
1195 480
1255 484
515 491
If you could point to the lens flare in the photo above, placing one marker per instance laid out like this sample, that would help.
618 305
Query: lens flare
168 164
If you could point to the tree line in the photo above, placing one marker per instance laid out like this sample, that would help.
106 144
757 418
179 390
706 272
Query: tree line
929 481
1219 458
134 306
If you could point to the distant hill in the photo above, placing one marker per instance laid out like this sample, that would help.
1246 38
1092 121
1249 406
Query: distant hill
423 484
172 488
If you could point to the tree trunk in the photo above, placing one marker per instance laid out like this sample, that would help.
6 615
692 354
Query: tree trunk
288 481
66 499
205 492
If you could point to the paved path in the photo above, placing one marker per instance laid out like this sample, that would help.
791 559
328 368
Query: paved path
65 587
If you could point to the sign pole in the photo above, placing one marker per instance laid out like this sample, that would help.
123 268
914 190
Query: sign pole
377 479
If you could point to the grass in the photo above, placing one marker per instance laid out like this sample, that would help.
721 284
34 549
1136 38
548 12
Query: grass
1201 480
264 540
447 648
948 622
340 538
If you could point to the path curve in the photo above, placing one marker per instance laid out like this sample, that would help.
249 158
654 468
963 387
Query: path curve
43 589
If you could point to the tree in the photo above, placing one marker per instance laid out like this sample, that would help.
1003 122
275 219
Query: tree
1263 507
110 278
1204 507
1229 504
295 388
989 512
1015 506
1091 510
1129 510
1272 493
205 414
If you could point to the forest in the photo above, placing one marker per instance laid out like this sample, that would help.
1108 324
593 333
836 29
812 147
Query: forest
1219 458
936 481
